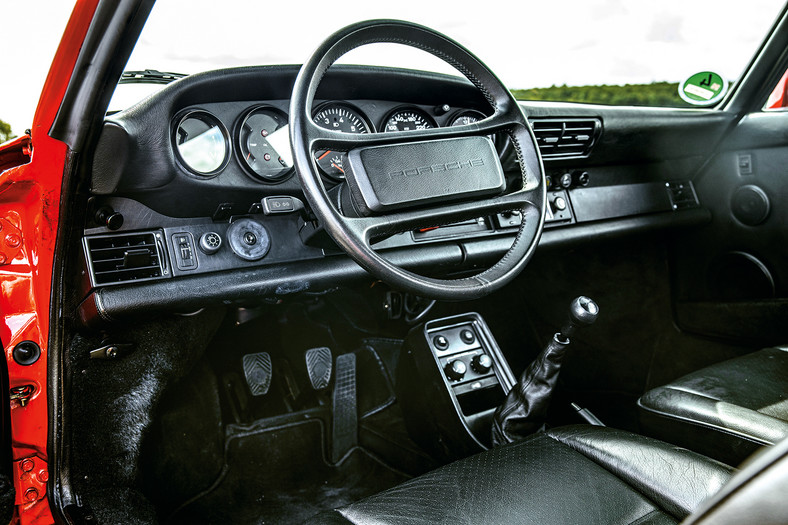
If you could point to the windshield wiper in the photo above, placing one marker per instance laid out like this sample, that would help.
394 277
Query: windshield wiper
148 76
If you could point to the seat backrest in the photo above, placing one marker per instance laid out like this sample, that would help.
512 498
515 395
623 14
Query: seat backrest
756 494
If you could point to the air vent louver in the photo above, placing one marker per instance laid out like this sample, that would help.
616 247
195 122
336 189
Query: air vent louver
121 258
565 137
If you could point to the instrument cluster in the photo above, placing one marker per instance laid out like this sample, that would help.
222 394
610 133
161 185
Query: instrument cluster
259 138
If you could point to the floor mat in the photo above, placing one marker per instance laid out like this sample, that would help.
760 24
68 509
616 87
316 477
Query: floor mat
281 475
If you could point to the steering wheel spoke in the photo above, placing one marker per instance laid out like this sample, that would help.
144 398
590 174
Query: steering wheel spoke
376 227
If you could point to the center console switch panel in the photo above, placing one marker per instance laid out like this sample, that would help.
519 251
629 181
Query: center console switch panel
451 378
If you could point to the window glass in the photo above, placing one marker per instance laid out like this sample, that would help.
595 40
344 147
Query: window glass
592 51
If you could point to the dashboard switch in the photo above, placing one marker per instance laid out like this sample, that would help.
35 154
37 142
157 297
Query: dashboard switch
283 204
440 342
210 242
467 336
566 180
185 257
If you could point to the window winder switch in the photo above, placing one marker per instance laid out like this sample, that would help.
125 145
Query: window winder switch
183 247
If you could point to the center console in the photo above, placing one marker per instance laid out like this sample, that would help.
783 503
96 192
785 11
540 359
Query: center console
451 378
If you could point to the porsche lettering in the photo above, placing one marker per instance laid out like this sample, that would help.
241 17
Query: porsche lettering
437 168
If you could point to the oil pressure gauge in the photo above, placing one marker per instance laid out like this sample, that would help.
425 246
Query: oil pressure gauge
264 143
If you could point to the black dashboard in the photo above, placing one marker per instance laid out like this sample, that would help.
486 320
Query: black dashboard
170 213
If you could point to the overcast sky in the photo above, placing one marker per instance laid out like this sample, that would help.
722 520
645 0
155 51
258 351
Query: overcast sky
527 43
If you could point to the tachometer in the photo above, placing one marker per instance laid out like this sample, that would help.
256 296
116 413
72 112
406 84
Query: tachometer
338 117
407 120
264 144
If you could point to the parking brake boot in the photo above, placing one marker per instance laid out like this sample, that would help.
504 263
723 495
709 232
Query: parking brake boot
525 408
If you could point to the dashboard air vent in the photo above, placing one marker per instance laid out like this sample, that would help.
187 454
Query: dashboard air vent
565 137
120 258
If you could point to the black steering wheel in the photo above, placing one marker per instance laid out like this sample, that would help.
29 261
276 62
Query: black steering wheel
406 180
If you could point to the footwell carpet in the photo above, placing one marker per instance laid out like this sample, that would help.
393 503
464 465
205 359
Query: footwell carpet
281 475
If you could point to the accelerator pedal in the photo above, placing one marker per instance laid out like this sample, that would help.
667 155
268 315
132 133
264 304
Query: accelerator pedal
344 431
258 371
318 366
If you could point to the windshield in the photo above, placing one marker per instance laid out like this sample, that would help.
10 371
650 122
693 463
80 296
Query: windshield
597 51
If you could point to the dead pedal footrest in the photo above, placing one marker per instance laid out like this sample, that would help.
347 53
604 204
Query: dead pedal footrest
258 371
318 366
344 431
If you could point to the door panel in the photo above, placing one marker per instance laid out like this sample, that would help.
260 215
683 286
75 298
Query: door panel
731 276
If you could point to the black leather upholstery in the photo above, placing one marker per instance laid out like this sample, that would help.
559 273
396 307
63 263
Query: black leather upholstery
580 474
756 494
725 411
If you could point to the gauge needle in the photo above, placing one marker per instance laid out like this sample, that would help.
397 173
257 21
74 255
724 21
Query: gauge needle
249 155
337 167
323 155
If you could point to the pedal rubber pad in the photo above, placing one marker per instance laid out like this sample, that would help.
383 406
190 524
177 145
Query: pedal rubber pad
318 366
258 371
344 431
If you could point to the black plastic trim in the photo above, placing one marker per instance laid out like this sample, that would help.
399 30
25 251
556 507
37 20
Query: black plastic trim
190 293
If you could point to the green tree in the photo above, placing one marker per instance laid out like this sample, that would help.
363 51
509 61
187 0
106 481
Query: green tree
654 94
5 131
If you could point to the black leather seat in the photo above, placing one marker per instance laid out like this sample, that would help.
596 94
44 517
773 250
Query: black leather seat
725 411
581 474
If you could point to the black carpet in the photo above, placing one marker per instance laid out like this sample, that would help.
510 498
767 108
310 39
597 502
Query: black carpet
281 475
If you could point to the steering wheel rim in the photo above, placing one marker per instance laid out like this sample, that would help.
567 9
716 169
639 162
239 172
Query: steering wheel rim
354 234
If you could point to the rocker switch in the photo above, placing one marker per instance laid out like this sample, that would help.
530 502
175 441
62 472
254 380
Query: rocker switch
185 257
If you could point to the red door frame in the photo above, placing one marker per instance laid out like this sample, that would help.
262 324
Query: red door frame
29 209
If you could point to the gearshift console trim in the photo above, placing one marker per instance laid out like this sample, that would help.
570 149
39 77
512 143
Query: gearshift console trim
452 379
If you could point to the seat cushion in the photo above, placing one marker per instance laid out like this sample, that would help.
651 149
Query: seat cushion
725 411
580 474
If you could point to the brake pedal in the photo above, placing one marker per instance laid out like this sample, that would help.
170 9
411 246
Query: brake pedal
318 366
258 371
344 431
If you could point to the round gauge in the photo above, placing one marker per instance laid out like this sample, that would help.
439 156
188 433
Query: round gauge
264 143
466 117
469 116
338 117
201 142
407 120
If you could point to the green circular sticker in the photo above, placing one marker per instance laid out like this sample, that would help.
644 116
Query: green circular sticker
703 89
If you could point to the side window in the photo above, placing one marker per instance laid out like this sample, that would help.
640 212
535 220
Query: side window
779 98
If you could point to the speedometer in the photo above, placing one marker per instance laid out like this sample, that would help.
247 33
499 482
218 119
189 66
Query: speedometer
338 117
407 120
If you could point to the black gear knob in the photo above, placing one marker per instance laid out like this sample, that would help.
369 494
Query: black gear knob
583 311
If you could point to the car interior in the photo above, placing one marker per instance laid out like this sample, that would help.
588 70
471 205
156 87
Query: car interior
354 294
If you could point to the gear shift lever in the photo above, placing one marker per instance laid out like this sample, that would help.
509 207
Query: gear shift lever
525 408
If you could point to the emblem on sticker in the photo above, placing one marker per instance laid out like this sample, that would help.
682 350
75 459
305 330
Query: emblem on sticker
703 89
